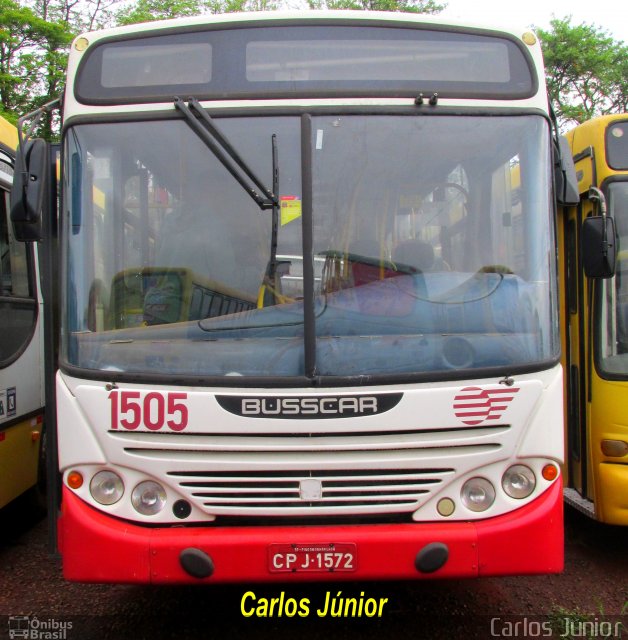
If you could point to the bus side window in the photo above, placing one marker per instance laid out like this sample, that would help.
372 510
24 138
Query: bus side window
18 309
216 304
14 266
195 304
208 300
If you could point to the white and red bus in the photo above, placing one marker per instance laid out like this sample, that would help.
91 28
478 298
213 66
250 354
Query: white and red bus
373 388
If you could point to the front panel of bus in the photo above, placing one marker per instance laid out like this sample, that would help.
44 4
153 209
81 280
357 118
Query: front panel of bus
364 355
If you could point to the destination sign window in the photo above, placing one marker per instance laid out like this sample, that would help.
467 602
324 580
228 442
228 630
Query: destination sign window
378 60
156 64
313 60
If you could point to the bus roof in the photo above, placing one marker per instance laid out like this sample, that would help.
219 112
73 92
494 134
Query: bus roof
257 17
592 145
8 134
592 130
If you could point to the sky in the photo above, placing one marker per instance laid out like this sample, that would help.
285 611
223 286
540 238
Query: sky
609 15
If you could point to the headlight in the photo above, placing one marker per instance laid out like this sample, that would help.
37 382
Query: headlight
148 498
106 487
477 494
519 481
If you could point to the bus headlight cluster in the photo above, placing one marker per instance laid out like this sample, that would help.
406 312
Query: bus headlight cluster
148 498
106 487
519 481
477 494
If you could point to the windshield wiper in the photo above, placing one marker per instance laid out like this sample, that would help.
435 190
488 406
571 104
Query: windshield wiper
202 124
226 154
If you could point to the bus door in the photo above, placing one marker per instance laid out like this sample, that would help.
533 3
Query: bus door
575 362
579 307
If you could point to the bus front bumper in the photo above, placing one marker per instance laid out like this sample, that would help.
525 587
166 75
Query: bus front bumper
98 548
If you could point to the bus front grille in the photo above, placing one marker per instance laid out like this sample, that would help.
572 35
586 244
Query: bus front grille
326 474
294 492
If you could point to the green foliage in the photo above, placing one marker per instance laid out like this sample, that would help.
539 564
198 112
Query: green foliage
573 624
11 117
587 71
407 6
149 10
562 620
32 56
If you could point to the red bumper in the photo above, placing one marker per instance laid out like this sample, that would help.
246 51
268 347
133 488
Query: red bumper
97 548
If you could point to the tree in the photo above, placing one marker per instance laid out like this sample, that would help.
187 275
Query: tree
149 10
76 15
30 59
35 36
408 6
587 71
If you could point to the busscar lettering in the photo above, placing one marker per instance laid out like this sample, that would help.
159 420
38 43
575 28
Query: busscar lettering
309 406
313 407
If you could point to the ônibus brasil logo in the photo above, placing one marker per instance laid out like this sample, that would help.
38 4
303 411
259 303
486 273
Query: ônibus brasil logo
474 405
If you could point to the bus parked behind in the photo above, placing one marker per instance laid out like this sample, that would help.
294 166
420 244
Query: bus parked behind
21 348
595 326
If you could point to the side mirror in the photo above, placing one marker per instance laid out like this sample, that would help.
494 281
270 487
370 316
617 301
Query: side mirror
598 245
565 180
30 192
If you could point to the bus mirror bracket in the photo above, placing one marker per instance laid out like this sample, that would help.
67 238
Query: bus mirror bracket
598 241
567 192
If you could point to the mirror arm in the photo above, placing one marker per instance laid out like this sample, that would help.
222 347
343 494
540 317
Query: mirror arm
25 134
35 116
596 195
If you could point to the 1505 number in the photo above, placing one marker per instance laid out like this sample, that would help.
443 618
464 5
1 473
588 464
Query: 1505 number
154 411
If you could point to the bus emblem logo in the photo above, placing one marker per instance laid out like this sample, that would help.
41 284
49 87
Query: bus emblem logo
474 405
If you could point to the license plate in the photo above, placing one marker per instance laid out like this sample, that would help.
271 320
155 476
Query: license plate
292 558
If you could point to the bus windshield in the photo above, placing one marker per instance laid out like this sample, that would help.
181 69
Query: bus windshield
428 238
614 308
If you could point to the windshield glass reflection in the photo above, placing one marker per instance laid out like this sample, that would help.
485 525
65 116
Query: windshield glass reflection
431 237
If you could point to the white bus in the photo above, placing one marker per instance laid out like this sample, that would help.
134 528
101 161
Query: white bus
22 466
382 188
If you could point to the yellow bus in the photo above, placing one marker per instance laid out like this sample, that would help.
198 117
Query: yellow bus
595 327
21 348
157 295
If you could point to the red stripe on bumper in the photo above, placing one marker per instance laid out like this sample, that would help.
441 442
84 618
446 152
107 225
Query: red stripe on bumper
98 548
